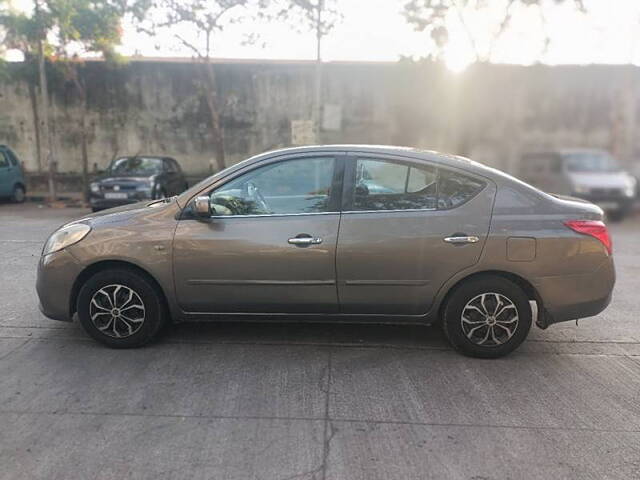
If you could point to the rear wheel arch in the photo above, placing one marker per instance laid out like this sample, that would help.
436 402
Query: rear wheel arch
100 266
526 286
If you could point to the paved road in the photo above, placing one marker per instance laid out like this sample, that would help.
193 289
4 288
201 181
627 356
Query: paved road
254 401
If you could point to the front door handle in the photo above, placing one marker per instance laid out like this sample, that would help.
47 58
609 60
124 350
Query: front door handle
459 240
301 241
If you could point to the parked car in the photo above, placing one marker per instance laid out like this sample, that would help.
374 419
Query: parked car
299 234
12 184
593 175
132 179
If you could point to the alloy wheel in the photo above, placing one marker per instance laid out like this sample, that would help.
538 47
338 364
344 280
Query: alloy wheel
489 319
117 311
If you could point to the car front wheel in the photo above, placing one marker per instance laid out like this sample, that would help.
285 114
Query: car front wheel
487 317
121 308
18 195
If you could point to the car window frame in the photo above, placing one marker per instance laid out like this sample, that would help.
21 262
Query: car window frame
335 197
350 175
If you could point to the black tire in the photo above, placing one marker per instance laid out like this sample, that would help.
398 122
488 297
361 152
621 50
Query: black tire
468 291
154 315
18 194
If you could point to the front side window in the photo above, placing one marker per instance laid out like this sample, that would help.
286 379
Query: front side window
295 186
4 160
386 185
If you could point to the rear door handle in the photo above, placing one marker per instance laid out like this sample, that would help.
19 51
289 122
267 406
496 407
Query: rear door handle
458 240
304 241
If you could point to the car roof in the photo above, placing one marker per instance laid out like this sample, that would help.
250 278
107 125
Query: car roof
410 152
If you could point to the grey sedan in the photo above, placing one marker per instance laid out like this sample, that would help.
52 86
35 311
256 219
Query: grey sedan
337 233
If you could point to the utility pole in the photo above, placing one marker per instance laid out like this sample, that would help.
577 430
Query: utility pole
44 93
318 73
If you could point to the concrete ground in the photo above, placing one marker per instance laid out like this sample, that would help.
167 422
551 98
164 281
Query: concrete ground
251 401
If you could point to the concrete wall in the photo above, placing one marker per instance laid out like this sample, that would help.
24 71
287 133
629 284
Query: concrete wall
490 112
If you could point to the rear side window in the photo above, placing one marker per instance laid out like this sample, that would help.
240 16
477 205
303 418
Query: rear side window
385 185
456 188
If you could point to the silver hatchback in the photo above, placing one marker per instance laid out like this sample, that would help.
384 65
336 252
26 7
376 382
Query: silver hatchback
337 233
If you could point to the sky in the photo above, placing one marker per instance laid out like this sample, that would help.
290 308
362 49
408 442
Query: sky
375 30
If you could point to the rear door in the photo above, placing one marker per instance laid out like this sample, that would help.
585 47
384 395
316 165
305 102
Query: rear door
407 226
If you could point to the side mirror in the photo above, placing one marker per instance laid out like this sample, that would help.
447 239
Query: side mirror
202 207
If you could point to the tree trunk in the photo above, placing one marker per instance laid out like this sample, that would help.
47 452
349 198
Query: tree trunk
82 95
36 122
44 93
317 99
212 103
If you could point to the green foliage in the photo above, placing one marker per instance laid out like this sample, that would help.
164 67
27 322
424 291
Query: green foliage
66 26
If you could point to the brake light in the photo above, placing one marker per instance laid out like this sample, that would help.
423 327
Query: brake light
593 228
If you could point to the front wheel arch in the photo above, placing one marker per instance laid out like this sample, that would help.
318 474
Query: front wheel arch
94 268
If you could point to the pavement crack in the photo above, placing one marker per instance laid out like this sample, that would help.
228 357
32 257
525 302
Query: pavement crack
6 354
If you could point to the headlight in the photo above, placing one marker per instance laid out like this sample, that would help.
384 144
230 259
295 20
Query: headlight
95 187
66 236
144 188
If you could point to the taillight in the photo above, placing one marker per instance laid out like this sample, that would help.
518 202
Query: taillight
593 228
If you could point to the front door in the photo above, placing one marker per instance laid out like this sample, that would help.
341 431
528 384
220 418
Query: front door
270 244
395 247
6 174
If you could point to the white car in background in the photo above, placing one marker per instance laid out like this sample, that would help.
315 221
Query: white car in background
593 175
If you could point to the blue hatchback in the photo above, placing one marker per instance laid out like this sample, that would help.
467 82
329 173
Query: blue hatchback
12 182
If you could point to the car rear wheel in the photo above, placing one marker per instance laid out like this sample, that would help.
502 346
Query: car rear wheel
18 194
487 317
121 308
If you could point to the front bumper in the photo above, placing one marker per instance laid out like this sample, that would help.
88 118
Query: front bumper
57 273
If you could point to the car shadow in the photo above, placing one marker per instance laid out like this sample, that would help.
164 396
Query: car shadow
321 334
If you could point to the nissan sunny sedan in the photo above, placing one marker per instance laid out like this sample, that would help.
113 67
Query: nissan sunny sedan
336 233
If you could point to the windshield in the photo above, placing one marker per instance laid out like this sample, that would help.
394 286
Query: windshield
136 166
591 162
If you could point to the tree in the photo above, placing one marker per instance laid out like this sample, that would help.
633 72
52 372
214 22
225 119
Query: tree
435 17
61 32
87 27
318 16
195 25
21 32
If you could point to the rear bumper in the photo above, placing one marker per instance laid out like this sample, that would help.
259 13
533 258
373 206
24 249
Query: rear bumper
570 297
57 273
